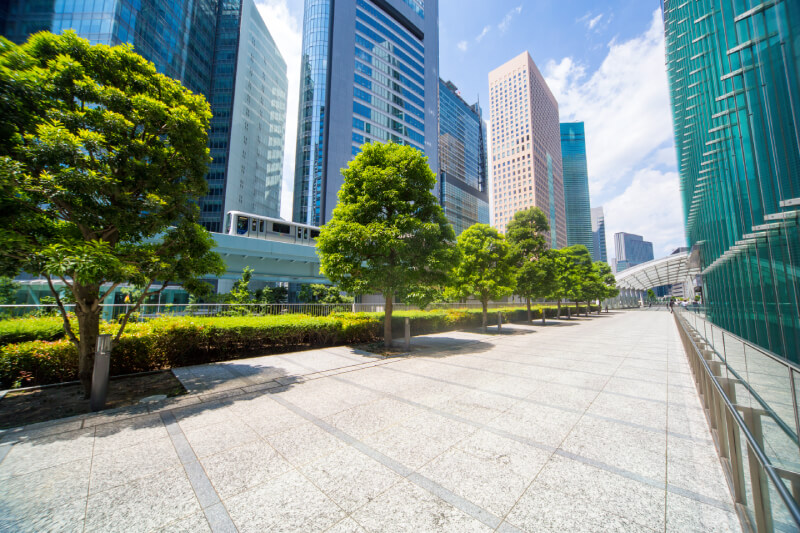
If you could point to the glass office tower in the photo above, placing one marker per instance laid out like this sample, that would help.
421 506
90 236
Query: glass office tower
218 48
599 235
576 185
370 72
526 150
733 69
248 102
631 250
463 188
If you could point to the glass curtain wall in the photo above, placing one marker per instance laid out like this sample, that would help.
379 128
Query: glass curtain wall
576 185
733 69
311 124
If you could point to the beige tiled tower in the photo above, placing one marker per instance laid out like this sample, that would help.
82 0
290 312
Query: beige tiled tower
525 146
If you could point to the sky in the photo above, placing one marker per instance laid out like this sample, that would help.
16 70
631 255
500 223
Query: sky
603 61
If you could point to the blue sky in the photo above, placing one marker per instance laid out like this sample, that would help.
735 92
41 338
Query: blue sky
604 61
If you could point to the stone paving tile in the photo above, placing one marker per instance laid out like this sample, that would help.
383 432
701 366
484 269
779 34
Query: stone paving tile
195 523
685 515
215 438
350 478
286 503
121 466
243 467
38 454
406 507
564 429
142 505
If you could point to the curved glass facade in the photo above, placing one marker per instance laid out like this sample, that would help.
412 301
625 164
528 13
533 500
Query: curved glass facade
311 138
576 185
733 68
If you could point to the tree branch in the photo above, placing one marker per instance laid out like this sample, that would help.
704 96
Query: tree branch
63 311
109 291
131 310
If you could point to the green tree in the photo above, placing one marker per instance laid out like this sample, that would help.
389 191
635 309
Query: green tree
573 267
388 233
240 293
538 278
272 295
8 290
102 161
324 294
651 295
486 266
527 235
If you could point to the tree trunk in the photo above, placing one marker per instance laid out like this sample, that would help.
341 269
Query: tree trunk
485 305
387 322
544 313
88 330
558 313
586 312
569 312
530 318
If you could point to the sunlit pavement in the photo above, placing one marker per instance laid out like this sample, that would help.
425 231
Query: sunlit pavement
584 425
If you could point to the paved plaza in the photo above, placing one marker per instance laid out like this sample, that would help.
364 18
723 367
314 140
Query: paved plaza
584 425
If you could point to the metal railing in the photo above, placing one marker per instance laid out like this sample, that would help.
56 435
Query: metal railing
746 393
148 311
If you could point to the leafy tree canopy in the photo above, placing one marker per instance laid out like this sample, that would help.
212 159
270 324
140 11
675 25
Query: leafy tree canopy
486 266
324 294
102 161
388 233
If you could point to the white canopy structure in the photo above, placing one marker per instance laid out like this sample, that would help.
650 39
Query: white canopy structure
664 271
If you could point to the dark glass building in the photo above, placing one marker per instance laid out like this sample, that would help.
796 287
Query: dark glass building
463 188
599 235
576 185
218 48
370 72
733 69
631 250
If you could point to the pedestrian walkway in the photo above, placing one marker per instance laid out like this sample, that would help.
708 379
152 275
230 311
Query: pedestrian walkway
584 425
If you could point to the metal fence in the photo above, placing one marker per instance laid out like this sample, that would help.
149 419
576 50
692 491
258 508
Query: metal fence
148 311
750 399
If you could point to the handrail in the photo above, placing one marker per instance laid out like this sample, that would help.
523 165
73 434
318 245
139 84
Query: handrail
752 443
782 360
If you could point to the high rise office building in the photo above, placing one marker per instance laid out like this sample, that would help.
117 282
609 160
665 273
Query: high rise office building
576 185
733 70
463 183
369 72
248 102
631 250
218 48
599 235
526 147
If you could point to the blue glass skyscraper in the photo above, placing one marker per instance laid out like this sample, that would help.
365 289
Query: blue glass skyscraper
576 185
219 48
631 250
369 72
463 186
599 235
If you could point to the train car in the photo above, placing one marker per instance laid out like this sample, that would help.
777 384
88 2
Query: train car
270 229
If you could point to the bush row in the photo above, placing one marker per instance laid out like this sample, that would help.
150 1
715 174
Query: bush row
172 342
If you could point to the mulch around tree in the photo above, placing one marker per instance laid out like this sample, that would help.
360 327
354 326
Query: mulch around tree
20 408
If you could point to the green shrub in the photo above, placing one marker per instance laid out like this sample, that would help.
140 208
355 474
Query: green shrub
31 329
181 341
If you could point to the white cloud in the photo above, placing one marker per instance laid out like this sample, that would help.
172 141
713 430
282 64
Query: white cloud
506 22
462 45
483 33
593 22
286 30
629 137
650 206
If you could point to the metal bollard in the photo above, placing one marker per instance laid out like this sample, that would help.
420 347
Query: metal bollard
499 321
102 362
408 334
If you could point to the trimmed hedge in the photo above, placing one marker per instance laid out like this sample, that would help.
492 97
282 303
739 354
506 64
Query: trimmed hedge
31 329
173 342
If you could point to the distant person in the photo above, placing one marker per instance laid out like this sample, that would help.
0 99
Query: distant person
671 304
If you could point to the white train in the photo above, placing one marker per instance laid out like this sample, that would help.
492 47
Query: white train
271 229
